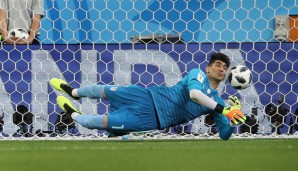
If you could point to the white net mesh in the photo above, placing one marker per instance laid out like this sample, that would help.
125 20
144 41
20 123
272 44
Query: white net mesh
152 42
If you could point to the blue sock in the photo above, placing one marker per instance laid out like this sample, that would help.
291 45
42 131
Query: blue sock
91 121
91 91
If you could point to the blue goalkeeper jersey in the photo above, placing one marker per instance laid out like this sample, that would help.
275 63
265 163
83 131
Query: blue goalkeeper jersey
174 106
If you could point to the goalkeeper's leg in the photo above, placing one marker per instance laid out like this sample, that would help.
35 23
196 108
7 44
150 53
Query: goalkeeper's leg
90 91
88 121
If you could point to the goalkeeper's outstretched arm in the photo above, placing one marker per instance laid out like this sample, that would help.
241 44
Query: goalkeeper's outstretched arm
233 112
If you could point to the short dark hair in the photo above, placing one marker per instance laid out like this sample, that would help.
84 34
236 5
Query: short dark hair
220 56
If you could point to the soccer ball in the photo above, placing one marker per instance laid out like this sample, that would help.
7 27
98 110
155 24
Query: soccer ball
240 77
19 33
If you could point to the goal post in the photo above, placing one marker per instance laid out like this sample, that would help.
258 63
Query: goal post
152 43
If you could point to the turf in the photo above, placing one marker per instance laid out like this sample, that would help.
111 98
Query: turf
174 155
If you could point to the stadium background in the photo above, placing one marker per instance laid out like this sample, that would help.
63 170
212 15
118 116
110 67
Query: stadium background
102 21
79 35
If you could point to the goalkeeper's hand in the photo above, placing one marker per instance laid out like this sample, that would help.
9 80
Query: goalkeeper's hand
233 101
234 114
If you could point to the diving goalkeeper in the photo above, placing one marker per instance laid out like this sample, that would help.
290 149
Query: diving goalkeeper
134 108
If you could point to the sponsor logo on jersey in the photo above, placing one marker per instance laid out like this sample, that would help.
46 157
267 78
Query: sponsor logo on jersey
200 78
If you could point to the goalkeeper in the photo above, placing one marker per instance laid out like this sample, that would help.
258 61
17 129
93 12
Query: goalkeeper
134 108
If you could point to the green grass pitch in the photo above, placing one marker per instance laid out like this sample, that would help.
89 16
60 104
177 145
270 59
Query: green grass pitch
164 155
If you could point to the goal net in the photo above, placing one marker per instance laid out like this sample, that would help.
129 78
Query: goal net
148 43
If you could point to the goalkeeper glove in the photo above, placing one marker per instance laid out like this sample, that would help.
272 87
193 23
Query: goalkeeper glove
234 114
233 101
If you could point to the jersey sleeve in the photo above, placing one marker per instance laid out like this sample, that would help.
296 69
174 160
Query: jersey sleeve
223 126
195 79
3 5
38 7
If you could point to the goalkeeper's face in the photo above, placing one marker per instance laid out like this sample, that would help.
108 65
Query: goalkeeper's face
217 70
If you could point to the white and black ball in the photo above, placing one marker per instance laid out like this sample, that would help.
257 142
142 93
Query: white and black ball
240 77
19 33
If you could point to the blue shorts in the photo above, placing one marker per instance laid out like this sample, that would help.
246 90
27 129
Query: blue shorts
131 109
